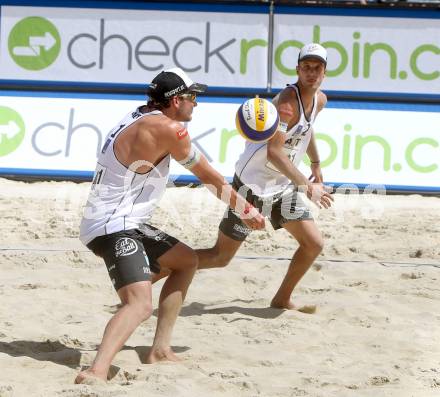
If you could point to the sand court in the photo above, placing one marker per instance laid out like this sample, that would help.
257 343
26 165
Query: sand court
375 287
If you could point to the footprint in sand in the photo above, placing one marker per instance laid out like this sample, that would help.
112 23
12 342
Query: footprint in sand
411 276
357 284
121 376
308 309
30 286
92 381
6 391
379 380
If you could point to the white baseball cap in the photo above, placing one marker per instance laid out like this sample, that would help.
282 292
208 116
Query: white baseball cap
313 51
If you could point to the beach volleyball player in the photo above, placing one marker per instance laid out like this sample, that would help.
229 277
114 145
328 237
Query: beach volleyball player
130 178
267 175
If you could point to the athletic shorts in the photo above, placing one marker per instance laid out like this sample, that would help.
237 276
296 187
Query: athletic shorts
131 255
280 209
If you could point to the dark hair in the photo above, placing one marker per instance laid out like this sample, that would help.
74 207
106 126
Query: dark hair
158 104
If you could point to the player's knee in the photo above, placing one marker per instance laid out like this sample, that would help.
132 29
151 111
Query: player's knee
188 259
192 260
317 245
222 258
143 310
313 246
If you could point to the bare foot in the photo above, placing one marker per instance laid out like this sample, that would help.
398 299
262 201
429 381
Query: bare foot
161 355
283 305
89 378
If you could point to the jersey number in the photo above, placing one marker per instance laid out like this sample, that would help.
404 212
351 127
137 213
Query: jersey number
99 174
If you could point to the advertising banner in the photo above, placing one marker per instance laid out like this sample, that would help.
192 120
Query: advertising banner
132 46
375 53
365 54
359 143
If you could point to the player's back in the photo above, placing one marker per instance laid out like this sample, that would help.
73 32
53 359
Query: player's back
126 184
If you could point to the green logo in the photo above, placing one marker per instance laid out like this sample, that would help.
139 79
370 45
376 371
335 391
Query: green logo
34 43
12 130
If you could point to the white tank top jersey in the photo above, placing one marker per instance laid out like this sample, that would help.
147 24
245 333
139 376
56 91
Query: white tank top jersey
119 198
253 167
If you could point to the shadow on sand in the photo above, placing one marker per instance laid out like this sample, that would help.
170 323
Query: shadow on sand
199 309
58 353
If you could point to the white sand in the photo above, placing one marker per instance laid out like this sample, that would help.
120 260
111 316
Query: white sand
376 331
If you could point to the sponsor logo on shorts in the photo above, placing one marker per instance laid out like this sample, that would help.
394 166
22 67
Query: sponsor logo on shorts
146 269
241 229
125 247
160 236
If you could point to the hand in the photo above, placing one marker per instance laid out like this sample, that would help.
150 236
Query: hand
320 195
316 176
252 218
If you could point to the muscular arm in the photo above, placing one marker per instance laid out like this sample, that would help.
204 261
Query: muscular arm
280 160
181 150
287 107
288 111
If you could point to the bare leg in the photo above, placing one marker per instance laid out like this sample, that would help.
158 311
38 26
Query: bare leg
157 276
310 246
136 300
220 254
182 262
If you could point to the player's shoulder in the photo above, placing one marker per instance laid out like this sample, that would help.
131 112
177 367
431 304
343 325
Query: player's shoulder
171 130
159 122
322 100
288 94
287 100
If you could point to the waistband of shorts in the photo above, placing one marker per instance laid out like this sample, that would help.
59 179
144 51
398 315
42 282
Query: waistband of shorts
237 184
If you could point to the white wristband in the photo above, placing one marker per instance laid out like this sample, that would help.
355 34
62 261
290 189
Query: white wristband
192 159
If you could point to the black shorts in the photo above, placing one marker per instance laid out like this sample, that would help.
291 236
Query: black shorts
131 255
280 209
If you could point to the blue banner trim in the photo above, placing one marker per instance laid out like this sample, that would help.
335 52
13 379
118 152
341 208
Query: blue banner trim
368 11
92 86
153 6
186 179
338 104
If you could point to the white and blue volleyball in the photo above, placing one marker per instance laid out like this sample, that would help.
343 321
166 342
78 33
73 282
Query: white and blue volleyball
257 120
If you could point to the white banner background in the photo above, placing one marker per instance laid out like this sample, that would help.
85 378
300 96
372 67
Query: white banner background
210 50
355 143
402 35
228 50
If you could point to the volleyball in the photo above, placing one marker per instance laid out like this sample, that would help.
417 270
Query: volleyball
257 120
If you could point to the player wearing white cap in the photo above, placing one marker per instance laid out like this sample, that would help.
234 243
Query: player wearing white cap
267 175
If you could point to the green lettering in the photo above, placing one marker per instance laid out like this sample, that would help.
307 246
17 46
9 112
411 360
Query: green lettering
409 154
225 136
335 45
362 141
356 55
278 55
333 149
346 148
246 45
368 52
413 62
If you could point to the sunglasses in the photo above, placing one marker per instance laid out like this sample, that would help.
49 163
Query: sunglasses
191 96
